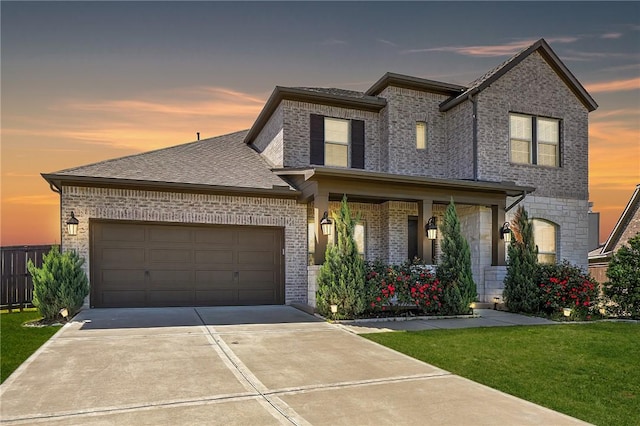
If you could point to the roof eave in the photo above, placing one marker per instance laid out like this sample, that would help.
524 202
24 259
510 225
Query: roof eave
280 93
410 82
508 188
59 181
617 230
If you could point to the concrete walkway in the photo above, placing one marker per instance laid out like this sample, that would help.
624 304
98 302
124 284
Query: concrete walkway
484 318
239 366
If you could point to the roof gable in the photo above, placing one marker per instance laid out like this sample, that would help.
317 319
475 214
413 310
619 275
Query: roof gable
542 47
632 209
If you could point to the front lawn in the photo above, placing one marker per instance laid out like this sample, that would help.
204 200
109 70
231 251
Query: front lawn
588 371
17 343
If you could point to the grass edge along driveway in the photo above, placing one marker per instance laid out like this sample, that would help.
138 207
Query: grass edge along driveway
17 343
588 371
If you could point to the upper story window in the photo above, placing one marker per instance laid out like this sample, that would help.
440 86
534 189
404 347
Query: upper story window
336 142
421 135
544 235
534 140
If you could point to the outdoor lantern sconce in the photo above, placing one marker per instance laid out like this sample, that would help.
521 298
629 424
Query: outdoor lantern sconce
72 225
505 232
326 224
431 228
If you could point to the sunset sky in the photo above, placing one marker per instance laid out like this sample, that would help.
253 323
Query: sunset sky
84 82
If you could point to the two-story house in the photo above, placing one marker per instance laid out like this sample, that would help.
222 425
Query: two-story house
236 219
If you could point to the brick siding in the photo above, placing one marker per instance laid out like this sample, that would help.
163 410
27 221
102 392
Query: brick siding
156 206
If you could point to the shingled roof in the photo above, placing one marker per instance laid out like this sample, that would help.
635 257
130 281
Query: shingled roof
224 162
548 54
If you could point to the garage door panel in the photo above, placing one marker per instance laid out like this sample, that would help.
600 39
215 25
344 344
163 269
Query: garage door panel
133 255
219 257
124 299
170 234
175 255
141 264
215 236
175 298
115 232
258 238
263 257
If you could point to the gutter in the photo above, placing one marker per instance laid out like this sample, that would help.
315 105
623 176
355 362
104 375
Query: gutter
524 194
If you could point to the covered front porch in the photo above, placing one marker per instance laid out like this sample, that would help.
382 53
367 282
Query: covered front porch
393 214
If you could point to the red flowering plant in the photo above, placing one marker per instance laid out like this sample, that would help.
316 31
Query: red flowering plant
563 286
403 287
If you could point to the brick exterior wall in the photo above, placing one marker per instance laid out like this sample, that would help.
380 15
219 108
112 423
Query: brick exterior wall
270 140
631 230
297 132
155 206
532 87
459 149
404 108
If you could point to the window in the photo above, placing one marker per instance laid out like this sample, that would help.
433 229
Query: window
544 235
336 142
421 135
534 140
359 235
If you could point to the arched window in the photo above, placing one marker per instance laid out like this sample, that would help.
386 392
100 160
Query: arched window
545 236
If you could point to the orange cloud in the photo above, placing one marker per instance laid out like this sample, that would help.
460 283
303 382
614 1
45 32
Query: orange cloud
614 86
491 50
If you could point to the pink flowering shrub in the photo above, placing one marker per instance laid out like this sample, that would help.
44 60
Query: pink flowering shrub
403 287
566 286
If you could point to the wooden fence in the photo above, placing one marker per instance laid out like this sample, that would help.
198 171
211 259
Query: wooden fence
16 290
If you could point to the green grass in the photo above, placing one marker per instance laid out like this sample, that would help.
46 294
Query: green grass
17 343
588 371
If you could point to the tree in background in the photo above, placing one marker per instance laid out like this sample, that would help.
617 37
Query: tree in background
454 269
520 287
59 284
623 288
341 279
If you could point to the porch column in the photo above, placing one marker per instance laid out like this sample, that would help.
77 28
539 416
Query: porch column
497 244
425 245
320 205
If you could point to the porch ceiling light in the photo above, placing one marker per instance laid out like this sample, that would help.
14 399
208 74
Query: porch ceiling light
505 232
431 228
326 224
72 225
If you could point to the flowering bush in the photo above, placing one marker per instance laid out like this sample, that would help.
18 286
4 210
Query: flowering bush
403 287
566 286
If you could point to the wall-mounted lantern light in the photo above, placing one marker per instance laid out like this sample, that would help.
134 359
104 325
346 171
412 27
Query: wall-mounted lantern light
72 225
431 228
326 224
505 232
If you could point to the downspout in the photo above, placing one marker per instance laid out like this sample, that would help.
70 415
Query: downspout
524 194
59 192
474 102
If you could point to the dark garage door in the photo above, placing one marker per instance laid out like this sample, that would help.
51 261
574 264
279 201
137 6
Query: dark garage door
140 265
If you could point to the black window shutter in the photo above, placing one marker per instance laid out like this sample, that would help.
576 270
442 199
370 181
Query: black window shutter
316 127
357 144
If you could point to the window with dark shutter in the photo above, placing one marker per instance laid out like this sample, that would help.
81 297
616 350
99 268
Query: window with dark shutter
317 139
357 144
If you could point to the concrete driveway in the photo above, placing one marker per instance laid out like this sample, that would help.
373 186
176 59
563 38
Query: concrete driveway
239 366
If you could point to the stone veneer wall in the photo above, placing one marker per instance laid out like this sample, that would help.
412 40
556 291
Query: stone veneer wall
571 218
157 206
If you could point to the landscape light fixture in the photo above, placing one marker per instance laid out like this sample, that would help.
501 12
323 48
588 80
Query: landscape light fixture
505 232
326 224
72 225
431 228
566 312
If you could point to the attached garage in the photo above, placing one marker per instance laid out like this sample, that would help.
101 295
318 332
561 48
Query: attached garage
142 264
